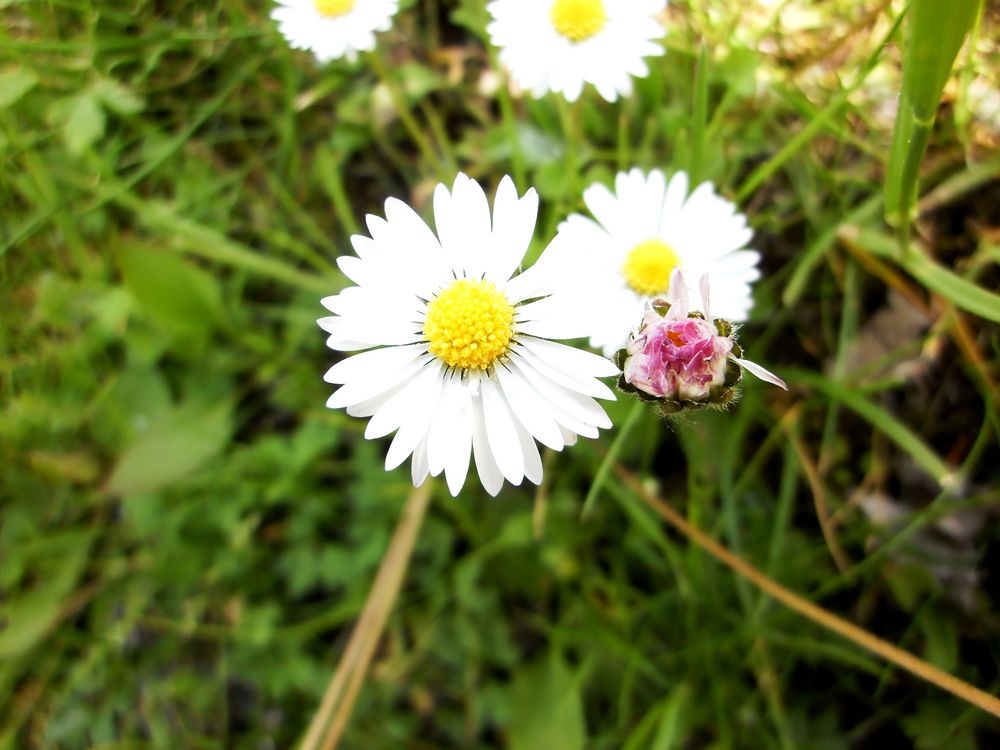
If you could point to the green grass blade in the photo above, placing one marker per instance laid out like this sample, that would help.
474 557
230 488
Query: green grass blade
891 427
935 34
816 125
814 252
962 293
669 733
213 245
610 457
699 117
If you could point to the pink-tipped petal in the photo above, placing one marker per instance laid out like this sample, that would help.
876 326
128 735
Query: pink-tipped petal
703 288
754 369
677 295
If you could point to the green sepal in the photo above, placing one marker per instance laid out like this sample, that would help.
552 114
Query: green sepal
619 359
625 387
662 307
734 375
724 327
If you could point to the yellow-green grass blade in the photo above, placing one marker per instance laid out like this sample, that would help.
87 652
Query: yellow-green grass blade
935 33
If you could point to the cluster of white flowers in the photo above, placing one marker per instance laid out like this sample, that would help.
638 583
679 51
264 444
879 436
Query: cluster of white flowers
459 349
546 46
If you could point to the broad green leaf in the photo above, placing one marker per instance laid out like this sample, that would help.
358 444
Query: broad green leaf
117 98
30 615
546 706
177 444
909 584
15 83
418 81
932 726
942 640
84 124
171 290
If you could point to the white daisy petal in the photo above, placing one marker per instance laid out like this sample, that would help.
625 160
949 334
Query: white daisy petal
569 359
572 410
584 385
529 409
604 206
414 427
568 436
513 225
418 465
456 466
395 409
486 466
532 459
389 359
374 383
505 444
446 424
674 197
471 227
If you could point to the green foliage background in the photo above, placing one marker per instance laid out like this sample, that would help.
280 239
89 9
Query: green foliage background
187 535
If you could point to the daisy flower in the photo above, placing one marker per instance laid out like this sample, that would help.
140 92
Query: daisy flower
333 28
457 355
646 229
558 45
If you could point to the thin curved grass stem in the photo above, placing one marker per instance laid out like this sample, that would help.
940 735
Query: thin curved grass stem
807 609
342 692
418 136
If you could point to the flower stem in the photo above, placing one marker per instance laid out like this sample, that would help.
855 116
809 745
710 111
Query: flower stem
609 458
510 124
399 101
570 116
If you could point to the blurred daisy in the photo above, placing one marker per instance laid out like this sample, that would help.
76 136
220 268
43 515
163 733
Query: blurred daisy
458 356
646 229
333 28
558 45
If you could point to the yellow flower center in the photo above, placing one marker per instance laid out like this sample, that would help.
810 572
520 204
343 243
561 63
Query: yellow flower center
469 324
577 19
333 8
648 267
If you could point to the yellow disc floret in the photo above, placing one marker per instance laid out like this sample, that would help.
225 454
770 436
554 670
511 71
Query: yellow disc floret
648 267
333 8
469 324
577 19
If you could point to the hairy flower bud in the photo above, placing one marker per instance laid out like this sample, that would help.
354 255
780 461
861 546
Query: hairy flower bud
684 360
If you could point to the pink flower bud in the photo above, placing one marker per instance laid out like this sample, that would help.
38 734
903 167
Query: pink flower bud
677 359
684 360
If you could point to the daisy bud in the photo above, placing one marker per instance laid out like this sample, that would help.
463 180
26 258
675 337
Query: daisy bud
684 360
